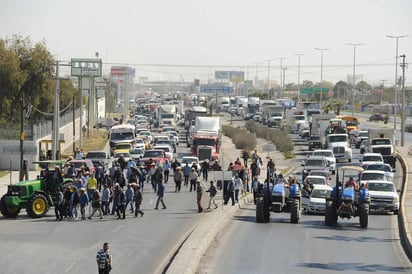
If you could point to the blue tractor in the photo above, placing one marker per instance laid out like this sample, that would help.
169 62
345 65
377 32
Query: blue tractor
347 202
278 198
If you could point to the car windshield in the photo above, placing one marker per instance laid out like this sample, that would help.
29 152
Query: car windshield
381 142
318 181
372 159
387 187
124 154
152 154
319 173
96 155
372 176
338 138
314 138
320 193
323 153
136 151
379 167
313 162
189 160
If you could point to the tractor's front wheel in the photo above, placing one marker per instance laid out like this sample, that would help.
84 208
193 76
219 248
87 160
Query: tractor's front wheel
364 215
331 217
37 206
8 211
260 211
294 211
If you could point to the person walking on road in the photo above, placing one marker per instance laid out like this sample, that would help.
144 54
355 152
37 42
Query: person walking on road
58 209
205 169
138 197
121 200
237 186
129 197
160 195
106 199
199 194
104 260
166 171
212 192
186 173
84 201
178 176
96 205
230 193
193 177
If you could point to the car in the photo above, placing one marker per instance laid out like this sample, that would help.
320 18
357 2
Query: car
157 155
372 175
362 135
148 134
167 149
389 171
384 196
376 117
368 158
99 156
330 157
321 172
315 201
363 146
167 142
316 180
77 164
314 162
314 142
140 143
121 152
136 153
167 129
257 117
175 136
158 138
190 160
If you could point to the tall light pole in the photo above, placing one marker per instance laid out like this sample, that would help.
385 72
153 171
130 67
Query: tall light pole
395 111
268 75
299 55
353 75
257 74
281 71
383 89
321 73
403 65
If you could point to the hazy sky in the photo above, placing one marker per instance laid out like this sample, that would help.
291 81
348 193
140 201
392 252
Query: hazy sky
234 33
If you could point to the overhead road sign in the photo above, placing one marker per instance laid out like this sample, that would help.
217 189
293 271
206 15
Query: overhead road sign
216 89
86 67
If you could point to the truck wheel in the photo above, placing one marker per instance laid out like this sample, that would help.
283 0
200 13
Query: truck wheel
330 214
260 211
396 212
8 211
363 216
294 211
37 206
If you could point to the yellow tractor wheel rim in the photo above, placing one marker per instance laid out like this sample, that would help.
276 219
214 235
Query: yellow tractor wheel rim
39 206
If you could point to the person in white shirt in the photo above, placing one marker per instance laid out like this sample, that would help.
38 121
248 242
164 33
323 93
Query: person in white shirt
237 186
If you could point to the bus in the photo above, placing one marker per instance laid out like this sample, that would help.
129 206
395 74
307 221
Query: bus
122 133
352 123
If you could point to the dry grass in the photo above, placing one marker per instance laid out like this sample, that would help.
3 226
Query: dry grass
96 141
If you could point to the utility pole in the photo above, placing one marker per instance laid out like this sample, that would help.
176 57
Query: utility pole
353 75
395 111
299 55
55 136
383 89
21 134
403 66
321 74
281 77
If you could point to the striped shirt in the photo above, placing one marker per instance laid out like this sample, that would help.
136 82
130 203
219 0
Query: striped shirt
103 257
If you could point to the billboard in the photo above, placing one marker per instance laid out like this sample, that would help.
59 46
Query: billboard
233 76
216 89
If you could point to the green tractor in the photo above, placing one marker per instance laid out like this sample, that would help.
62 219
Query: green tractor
37 195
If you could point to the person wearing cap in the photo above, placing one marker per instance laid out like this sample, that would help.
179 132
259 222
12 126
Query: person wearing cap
156 175
91 187
106 199
96 205
178 177
129 197
58 208
84 201
142 177
74 201
137 198
160 194
193 177
271 167
229 193
205 169
121 200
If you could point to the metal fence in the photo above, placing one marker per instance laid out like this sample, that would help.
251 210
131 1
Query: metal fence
37 130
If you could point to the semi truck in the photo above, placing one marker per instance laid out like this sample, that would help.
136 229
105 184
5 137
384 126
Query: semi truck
382 141
205 138
253 106
275 115
166 114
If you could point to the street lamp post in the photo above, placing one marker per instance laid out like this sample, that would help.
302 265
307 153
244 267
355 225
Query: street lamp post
353 75
281 78
403 65
395 111
299 55
321 73
268 76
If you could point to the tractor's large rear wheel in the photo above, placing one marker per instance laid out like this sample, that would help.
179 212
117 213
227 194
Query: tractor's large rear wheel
331 217
37 206
260 211
364 215
294 211
8 211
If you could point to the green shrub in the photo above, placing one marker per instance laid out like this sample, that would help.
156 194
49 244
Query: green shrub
240 137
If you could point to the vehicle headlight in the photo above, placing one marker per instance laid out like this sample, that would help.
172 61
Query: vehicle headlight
396 199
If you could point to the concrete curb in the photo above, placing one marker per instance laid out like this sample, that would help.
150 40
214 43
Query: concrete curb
405 235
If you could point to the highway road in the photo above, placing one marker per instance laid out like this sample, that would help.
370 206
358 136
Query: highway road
307 247
138 245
